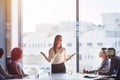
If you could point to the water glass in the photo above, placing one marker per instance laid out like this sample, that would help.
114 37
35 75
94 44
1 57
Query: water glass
36 76
96 73
70 72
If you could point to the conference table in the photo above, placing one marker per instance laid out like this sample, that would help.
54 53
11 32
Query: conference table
61 76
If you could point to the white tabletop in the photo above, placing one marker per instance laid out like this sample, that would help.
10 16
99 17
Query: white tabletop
73 76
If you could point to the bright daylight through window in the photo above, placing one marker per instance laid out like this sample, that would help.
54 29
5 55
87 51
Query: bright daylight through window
43 19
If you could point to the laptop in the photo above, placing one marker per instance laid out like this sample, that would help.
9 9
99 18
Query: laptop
117 77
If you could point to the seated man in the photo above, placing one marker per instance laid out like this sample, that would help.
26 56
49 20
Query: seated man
105 63
115 61
3 73
14 67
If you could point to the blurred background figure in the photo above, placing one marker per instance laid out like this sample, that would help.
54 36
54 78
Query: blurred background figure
4 74
105 65
14 67
115 61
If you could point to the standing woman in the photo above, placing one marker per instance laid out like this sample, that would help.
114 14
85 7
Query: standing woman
57 56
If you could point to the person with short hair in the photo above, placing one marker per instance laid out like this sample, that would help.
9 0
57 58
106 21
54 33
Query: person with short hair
115 61
14 67
105 65
5 74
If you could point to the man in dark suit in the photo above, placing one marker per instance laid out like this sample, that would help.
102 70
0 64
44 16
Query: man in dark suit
115 61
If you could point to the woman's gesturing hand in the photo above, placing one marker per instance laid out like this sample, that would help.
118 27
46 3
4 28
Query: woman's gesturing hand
42 53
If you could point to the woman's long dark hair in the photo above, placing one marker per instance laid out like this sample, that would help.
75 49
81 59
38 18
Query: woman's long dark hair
57 37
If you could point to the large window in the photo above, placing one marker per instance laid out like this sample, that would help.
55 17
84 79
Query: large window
43 19
99 27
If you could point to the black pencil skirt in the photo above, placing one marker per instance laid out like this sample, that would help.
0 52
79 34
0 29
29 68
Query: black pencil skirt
58 68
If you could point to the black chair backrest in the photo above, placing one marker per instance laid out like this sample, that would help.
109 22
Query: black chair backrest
118 75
